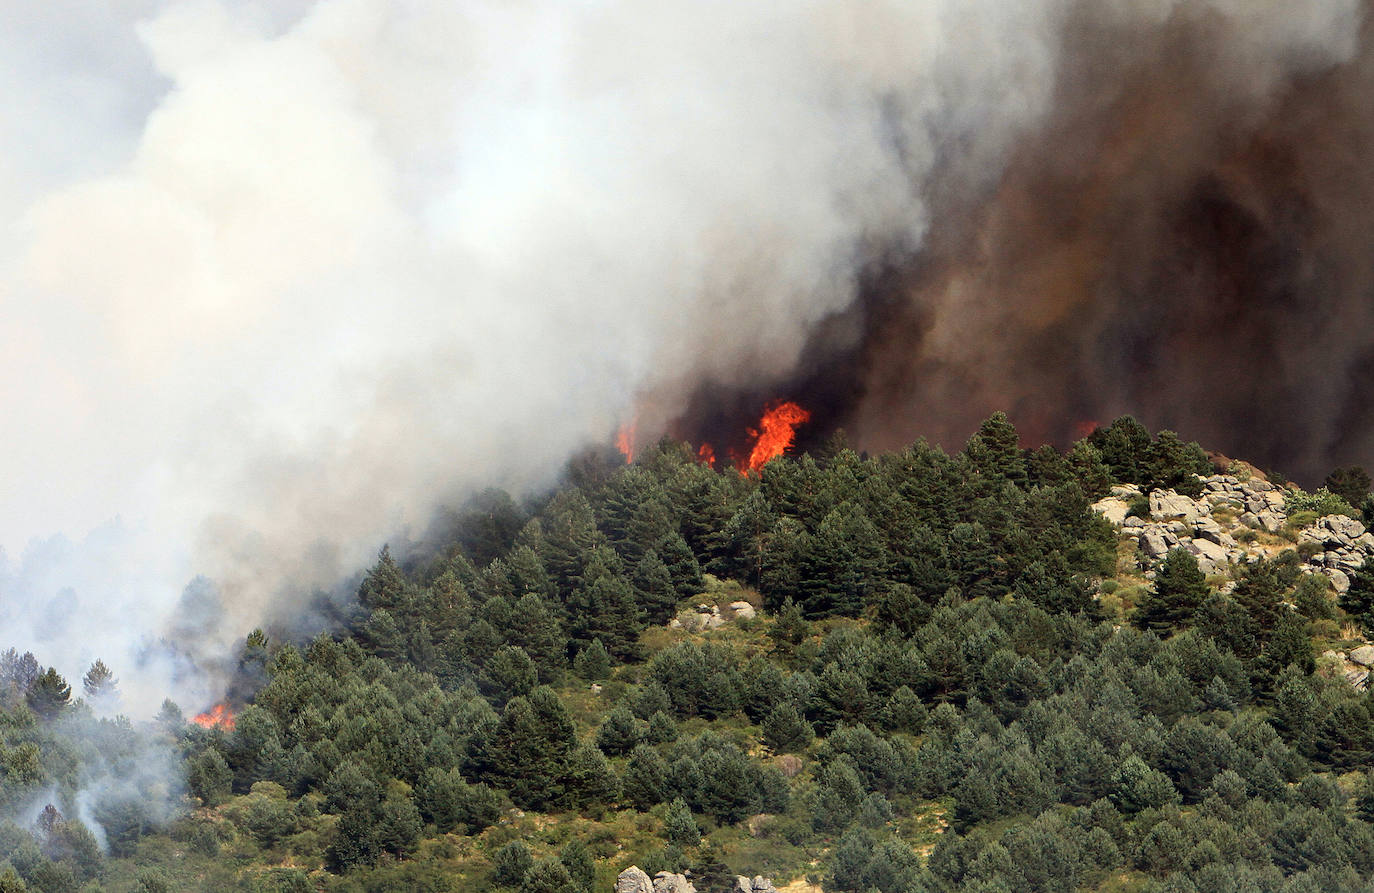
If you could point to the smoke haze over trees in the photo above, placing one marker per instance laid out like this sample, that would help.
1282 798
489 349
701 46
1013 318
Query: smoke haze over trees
284 278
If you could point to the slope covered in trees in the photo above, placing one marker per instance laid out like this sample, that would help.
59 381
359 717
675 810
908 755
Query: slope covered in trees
948 673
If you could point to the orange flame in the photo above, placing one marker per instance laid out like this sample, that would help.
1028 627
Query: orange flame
706 455
779 429
219 716
625 441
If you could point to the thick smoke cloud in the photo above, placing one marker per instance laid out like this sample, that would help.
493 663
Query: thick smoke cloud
282 278
1183 238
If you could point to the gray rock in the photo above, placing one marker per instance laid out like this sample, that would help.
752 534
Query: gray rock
1364 655
1331 654
1168 504
1364 542
1260 486
667 882
1250 519
1339 580
1346 529
1125 491
633 880
1271 520
742 610
1357 678
1210 557
1152 545
762 885
1348 563
1133 523
1211 531
1113 510
742 885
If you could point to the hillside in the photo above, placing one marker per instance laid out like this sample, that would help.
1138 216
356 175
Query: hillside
1116 668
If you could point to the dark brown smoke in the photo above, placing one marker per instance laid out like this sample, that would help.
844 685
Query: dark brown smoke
1186 238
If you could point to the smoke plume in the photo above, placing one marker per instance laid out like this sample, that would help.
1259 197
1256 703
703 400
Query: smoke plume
283 277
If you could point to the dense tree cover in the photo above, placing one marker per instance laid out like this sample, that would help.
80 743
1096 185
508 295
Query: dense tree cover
937 696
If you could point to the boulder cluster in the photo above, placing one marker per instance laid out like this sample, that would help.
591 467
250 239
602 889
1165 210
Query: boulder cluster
1356 665
635 880
1208 527
705 616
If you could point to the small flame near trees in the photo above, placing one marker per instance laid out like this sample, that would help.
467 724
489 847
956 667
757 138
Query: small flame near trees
625 441
776 432
217 717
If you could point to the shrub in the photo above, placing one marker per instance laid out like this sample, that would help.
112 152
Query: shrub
1323 502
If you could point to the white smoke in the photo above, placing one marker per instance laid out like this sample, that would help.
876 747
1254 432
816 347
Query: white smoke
282 277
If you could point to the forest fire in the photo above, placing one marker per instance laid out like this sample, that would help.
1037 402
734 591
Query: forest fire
217 717
775 433
625 441
777 430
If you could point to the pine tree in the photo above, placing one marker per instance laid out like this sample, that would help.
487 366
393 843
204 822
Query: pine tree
1351 484
49 694
789 626
1175 465
590 782
534 628
511 863
605 609
785 730
384 586
593 662
646 778
1179 590
99 682
994 453
547 876
509 673
1358 600
679 826
577 859
620 733
682 564
1125 447
654 588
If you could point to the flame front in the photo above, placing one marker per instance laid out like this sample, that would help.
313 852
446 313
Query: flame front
625 441
706 455
217 717
777 430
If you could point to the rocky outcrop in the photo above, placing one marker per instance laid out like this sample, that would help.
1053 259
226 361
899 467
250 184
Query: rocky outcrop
706 616
1179 522
757 885
633 880
1113 509
1345 546
667 882
742 610
1165 504
703 617
1364 656
1354 667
